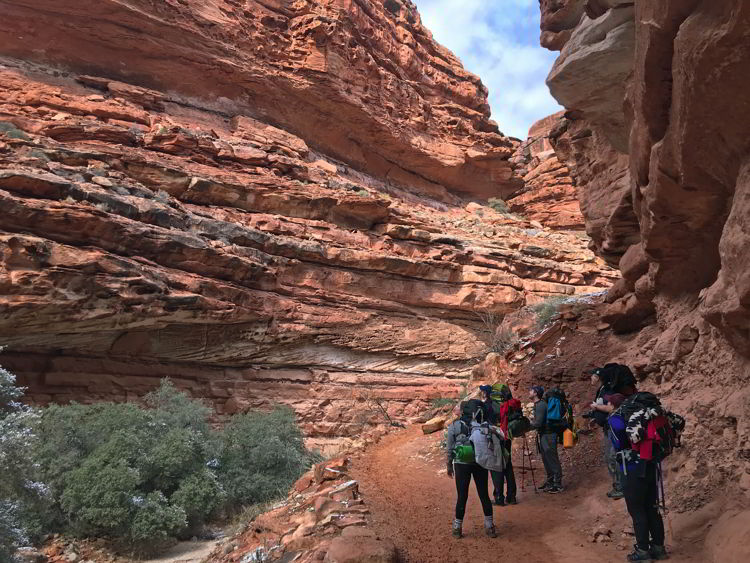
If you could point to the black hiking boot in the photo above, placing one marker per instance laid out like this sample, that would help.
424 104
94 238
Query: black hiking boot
500 501
658 552
553 490
457 533
639 554
512 500
614 494
545 486
491 532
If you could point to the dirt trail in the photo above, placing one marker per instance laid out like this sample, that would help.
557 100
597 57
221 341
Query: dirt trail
403 481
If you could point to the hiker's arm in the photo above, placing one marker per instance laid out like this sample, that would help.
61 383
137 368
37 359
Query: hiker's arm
540 415
450 444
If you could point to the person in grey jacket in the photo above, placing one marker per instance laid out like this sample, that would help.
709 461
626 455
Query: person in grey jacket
546 442
458 433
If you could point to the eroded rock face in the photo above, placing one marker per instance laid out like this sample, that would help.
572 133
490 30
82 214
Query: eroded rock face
147 237
361 80
548 195
663 185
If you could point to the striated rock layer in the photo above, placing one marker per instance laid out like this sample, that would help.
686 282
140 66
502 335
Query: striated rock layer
548 194
361 80
145 236
662 167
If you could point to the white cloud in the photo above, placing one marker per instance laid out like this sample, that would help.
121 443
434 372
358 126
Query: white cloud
501 45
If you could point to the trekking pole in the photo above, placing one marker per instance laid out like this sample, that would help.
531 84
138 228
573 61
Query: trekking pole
663 501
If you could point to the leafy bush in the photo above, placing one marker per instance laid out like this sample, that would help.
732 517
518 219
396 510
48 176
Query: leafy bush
125 472
547 309
498 205
21 495
262 455
442 402
139 475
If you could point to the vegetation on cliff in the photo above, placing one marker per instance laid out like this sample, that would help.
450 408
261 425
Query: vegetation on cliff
136 474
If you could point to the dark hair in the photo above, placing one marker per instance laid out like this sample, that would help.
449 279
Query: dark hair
539 390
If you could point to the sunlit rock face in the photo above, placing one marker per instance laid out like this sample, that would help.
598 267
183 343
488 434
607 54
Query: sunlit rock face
655 138
548 195
265 203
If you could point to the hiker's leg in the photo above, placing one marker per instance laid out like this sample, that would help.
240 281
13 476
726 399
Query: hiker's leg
510 477
635 499
481 481
462 474
545 458
655 522
497 483
554 469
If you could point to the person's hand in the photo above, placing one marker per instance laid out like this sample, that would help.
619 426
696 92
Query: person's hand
450 470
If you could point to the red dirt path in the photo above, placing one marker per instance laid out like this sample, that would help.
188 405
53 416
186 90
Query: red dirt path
403 481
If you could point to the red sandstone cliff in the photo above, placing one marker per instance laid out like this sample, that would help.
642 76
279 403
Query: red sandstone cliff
656 138
266 206
548 194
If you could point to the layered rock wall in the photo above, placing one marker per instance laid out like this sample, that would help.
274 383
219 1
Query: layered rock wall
655 137
548 195
266 206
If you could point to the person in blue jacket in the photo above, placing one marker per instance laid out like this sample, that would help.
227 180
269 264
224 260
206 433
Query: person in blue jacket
641 490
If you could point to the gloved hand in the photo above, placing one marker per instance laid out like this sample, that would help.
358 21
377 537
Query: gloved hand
450 469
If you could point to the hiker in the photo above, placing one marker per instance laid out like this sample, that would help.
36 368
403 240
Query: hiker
464 467
502 402
643 434
547 437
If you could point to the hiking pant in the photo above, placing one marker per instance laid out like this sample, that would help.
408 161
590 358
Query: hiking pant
548 447
610 458
499 478
463 474
642 499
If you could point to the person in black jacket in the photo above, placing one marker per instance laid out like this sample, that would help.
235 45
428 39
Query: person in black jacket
546 442
459 432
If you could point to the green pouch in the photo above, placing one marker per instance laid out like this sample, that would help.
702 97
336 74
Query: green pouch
464 453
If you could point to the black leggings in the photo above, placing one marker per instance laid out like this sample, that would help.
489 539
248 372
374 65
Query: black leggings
464 472
642 498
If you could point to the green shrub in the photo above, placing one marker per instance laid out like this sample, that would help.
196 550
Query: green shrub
262 455
138 475
547 309
498 205
442 402
131 473
22 495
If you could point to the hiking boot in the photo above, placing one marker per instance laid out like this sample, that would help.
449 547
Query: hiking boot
491 532
500 501
457 533
545 486
658 552
639 554
553 490
614 494
513 500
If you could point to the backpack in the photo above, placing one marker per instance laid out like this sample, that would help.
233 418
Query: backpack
518 424
488 446
559 411
654 432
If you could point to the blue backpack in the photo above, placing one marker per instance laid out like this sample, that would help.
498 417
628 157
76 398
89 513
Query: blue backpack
558 410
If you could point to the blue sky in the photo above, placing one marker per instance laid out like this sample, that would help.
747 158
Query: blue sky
499 41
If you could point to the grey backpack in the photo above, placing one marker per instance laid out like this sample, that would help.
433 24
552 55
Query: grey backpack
488 446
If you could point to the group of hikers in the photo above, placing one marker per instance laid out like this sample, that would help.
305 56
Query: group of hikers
638 434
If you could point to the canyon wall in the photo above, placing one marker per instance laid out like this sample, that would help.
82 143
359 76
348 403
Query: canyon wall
264 201
655 136
548 194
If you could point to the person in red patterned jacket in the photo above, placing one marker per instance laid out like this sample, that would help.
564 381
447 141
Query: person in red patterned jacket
500 403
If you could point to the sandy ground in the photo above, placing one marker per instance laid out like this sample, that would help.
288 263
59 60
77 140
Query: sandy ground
403 481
